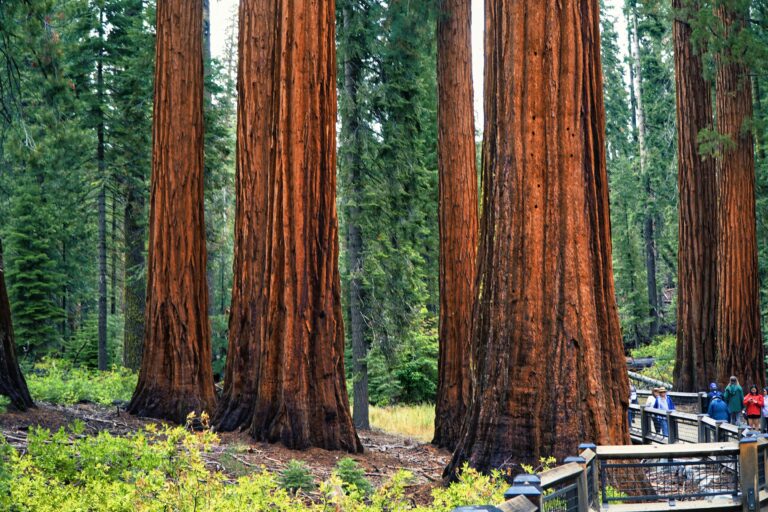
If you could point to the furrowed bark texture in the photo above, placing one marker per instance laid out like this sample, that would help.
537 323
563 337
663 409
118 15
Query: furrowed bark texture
301 397
545 321
696 362
739 342
176 376
12 383
248 314
458 217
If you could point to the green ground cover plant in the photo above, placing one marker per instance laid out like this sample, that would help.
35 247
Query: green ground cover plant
58 381
163 469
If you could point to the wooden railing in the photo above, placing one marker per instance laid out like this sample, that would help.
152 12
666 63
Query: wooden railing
681 460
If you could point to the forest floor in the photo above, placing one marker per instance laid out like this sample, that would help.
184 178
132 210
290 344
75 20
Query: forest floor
237 454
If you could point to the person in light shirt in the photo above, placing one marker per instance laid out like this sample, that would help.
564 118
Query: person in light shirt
651 403
664 403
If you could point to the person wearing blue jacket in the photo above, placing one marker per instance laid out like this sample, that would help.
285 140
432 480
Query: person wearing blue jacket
718 409
664 403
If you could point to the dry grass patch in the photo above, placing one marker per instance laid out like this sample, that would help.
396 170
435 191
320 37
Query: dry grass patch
414 421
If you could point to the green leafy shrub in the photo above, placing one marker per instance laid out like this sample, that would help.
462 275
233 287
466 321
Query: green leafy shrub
164 469
296 477
58 381
471 488
352 476
663 349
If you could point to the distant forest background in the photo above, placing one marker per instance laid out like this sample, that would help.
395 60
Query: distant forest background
75 150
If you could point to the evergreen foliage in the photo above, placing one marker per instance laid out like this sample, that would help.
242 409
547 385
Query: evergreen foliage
49 177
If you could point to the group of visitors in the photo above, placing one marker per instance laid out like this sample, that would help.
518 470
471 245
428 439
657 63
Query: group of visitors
732 405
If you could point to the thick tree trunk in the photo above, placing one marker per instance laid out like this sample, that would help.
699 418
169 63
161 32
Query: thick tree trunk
256 43
135 286
458 216
176 376
353 68
12 383
739 339
301 397
696 362
545 323
102 201
649 238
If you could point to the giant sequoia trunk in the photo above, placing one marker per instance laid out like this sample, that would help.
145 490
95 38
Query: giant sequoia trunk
291 334
254 113
739 341
697 270
458 216
545 323
176 376
12 383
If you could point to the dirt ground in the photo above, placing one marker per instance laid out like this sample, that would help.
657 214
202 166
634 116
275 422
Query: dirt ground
238 454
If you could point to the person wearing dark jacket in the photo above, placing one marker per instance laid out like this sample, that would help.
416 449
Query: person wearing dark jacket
754 405
711 394
734 397
718 410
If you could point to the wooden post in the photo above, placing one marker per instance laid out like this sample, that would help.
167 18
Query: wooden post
583 492
671 428
587 449
748 474
644 424
525 485
702 402
702 435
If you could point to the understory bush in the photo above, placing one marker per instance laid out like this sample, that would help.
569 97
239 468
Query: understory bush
58 381
663 350
164 469
296 477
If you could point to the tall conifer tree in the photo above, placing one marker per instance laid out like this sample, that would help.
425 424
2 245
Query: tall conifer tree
176 376
546 319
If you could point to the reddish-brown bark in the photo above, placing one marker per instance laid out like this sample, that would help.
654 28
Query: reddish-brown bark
739 340
12 383
696 363
256 44
301 396
458 216
545 323
176 376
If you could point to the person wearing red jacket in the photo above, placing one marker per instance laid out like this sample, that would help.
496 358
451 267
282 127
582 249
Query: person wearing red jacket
754 405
